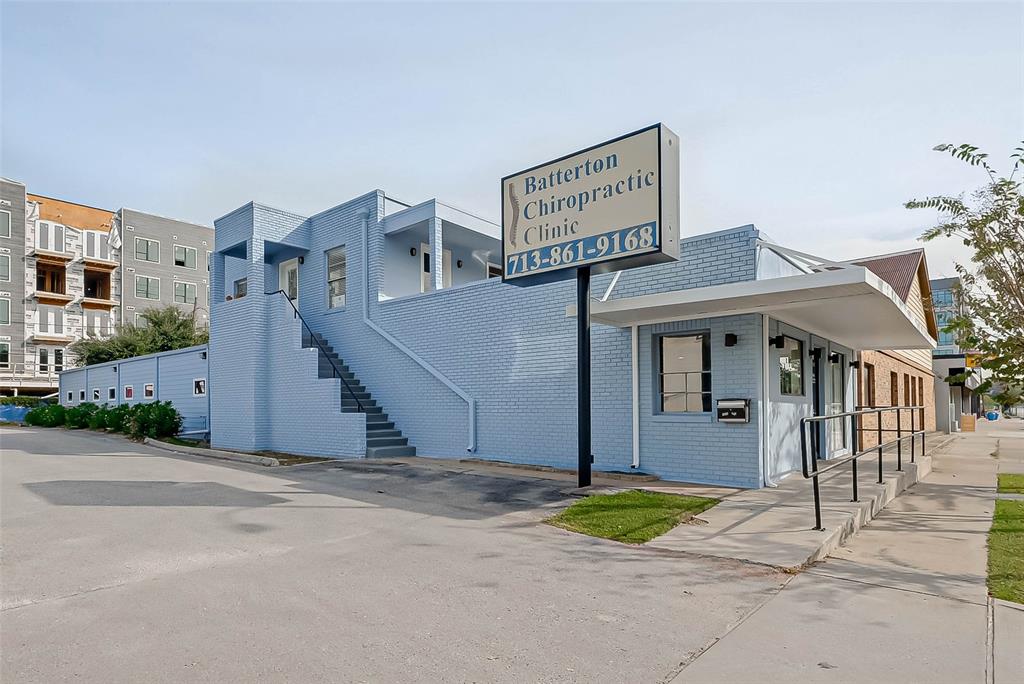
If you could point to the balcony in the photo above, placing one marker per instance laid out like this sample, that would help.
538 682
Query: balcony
97 288
51 285
49 331
49 256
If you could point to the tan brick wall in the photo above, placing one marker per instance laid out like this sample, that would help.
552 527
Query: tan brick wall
885 363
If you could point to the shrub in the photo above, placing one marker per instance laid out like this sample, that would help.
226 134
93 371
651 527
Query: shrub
31 402
97 420
157 419
46 415
78 417
117 418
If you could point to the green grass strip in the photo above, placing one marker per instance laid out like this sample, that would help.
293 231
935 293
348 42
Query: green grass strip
1006 551
633 517
1011 483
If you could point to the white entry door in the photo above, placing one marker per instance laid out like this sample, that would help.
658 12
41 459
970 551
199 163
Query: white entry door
426 282
288 278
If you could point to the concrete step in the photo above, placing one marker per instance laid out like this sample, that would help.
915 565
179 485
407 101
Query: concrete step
349 401
369 410
350 392
383 432
373 442
390 451
378 421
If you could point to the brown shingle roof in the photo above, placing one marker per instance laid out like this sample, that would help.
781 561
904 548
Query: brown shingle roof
899 270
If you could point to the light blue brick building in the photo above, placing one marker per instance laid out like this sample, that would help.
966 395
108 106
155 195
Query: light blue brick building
180 377
408 343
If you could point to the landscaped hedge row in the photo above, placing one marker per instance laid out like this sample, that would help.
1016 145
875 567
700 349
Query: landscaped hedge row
21 401
154 419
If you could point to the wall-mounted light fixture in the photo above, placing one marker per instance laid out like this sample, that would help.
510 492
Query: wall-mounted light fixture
833 357
779 341
731 339
458 263
855 364
302 260
412 251
202 355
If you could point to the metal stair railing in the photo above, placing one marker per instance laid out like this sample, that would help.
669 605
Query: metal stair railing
335 371
810 465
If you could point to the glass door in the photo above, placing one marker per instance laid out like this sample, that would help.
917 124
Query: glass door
288 278
836 402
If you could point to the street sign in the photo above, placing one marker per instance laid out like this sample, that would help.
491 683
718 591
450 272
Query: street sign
611 206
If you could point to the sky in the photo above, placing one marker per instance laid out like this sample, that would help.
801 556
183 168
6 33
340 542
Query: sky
814 121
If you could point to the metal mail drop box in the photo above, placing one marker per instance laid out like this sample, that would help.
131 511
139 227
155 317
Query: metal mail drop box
733 410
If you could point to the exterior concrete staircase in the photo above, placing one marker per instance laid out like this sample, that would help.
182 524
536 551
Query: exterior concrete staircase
382 439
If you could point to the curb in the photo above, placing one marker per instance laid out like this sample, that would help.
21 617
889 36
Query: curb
605 474
252 459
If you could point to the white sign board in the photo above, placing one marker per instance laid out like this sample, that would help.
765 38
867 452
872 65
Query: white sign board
611 206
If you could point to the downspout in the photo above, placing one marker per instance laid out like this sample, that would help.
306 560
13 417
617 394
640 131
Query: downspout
636 394
765 407
364 216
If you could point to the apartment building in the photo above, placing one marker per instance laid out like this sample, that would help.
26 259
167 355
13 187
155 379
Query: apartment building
163 261
67 272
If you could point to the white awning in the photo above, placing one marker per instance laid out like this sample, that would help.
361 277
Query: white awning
850 305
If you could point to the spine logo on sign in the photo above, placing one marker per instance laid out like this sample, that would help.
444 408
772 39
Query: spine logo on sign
514 201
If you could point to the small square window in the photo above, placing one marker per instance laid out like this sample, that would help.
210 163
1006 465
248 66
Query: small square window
241 287
112 393
199 387
129 391
95 393
147 390
81 395
71 397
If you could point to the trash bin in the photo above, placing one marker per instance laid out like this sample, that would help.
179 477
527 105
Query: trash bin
992 415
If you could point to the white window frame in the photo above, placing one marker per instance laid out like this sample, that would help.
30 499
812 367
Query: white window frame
135 252
42 368
195 295
95 393
58 367
7 363
49 227
343 279
5 318
7 258
71 397
195 387
111 394
195 258
9 223
129 392
158 288
148 390
81 395
100 237
234 289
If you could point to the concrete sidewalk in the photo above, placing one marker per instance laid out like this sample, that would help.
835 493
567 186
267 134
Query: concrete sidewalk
775 525
905 601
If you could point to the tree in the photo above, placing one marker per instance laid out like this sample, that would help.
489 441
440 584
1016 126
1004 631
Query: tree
165 329
991 291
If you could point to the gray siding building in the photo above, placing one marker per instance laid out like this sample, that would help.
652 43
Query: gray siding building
12 280
163 261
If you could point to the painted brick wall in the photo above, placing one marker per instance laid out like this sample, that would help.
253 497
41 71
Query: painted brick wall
171 373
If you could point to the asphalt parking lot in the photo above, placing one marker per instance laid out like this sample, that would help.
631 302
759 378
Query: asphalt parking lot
122 563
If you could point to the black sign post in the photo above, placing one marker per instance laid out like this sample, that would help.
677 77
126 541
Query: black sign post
583 375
